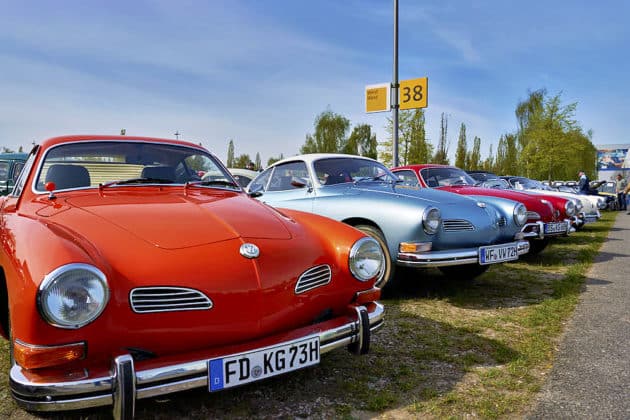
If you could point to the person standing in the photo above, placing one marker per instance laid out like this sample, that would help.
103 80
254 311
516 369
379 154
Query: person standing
621 186
583 183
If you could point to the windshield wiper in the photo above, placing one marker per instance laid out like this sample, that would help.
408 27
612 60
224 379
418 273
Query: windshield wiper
136 181
206 183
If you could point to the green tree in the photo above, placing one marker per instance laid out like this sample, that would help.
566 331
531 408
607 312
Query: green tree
551 139
460 152
420 150
441 154
330 134
258 162
473 160
241 161
488 163
412 141
273 160
230 154
361 142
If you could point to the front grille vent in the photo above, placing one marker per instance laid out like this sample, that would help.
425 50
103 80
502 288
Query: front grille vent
501 222
457 225
168 299
312 278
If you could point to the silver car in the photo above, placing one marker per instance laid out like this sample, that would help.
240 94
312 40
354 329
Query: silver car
416 227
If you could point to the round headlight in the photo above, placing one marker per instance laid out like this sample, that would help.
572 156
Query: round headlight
520 214
73 295
578 205
431 219
569 208
366 259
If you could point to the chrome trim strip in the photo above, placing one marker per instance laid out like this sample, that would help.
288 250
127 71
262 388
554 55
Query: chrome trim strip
98 391
451 257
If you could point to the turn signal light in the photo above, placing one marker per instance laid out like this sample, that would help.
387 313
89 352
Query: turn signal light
367 296
30 356
415 247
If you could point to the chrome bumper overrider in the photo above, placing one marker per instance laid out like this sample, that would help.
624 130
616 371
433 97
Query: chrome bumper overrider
450 257
124 385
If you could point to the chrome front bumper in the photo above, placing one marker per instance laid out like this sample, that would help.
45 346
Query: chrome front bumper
125 383
450 257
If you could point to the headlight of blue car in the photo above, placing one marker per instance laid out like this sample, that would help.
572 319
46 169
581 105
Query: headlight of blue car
431 219
366 259
520 214
73 295
569 208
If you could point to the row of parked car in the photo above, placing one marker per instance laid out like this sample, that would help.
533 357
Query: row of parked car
134 267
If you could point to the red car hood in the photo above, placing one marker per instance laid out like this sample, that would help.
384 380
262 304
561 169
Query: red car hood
532 203
172 220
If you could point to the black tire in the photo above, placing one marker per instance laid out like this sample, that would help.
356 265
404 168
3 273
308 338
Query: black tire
536 246
388 273
464 272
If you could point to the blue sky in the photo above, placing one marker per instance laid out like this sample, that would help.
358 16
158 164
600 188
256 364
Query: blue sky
259 72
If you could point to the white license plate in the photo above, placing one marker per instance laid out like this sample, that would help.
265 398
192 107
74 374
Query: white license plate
242 368
497 253
555 227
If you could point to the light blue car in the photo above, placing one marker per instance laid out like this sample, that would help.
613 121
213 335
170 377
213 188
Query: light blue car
416 227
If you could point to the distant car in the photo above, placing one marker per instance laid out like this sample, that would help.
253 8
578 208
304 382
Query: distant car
416 227
562 209
542 224
590 205
124 276
243 176
11 165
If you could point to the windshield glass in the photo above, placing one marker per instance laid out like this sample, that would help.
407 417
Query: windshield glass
88 164
340 170
444 177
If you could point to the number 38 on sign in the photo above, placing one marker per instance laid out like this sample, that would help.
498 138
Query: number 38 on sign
413 93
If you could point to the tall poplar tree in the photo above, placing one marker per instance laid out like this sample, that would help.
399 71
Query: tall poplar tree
441 154
230 154
460 152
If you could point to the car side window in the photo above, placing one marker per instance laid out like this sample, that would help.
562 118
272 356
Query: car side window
260 182
408 178
19 184
17 169
283 176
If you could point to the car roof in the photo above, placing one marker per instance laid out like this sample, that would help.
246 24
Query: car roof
105 137
312 157
13 156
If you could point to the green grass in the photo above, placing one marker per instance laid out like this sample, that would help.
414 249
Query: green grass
449 349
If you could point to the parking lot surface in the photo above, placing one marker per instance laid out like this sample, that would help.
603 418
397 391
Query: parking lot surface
591 375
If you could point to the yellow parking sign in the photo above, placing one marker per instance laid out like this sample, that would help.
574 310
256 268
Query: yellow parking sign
377 98
413 93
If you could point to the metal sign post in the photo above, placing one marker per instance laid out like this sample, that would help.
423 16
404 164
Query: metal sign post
395 86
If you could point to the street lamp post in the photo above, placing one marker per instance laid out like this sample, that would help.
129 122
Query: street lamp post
395 86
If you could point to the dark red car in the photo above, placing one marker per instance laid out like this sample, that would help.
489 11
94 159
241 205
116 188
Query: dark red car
547 216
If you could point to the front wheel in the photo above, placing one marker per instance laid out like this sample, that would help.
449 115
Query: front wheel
464 272
386 275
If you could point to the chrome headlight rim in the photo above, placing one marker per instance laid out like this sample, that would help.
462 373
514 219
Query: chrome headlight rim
57 275
519 214
357 256
431 220
570 208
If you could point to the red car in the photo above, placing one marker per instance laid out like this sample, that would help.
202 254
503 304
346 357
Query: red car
125 276
547 216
